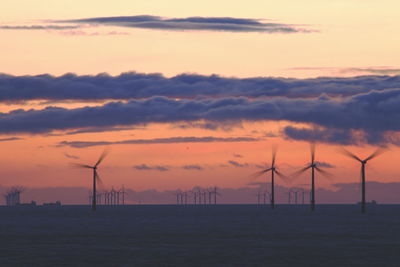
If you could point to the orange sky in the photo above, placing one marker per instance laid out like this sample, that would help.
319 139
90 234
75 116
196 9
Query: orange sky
348 33
36 161
345 34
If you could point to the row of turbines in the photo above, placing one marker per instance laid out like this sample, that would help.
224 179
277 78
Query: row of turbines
109 197
293 195
315 167
13 196
199 196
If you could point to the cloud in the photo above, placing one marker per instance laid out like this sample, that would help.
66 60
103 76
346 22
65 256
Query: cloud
228 24
237 156
324 164
10 139
100 130
380 70
189 86
270 135
145 167
367 117
237 164
337 136
226 126
85 33
170 140
353 113
193 167
71 156
373 70
37 27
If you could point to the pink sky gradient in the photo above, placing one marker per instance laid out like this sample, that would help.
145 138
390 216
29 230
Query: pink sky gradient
345 38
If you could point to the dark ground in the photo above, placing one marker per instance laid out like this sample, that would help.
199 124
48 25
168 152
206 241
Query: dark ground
222 235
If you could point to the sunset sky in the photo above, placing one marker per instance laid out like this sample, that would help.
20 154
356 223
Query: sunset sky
188 93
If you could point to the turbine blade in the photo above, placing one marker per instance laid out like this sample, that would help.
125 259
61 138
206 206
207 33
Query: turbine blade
282 176
349 154
274 150
312 148
294 175
98 180
377 152
326 174
79 165
257 174
103 155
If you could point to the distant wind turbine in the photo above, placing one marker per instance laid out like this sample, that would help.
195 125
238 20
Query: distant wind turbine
215 193
273 170
185 196
178 196
258 197
122 191
267 195
96 177
314 167
194 196
377 152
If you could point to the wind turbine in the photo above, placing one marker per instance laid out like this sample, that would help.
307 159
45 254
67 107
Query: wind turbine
266 195
314 167
215 193
194 197
295 192
377 152
209 193
185 195
96 177
204 196
258 197
273 170
122 191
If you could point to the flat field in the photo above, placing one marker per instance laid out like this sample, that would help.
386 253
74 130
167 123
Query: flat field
217 235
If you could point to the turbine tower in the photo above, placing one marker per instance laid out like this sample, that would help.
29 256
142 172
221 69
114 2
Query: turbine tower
314 167
215 193
96 177
258 197
273 170
377 152
122 190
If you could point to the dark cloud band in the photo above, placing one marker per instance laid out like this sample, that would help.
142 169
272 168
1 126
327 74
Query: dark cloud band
228 24
374 113
138 86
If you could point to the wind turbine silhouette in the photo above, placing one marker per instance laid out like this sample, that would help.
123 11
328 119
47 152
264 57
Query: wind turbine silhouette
96 177
377 152
122 191
273 170
313 166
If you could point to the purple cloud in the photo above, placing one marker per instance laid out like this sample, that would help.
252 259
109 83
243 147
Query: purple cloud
145 167
227 24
